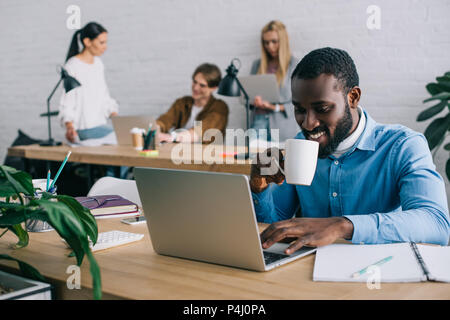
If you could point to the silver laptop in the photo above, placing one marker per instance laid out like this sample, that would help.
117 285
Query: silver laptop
123 124
264 85
206 216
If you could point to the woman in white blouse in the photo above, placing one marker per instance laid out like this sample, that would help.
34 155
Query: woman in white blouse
85 110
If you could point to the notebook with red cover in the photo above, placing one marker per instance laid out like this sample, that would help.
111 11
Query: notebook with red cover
108 205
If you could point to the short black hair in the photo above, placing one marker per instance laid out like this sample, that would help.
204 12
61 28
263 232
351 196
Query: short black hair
329 61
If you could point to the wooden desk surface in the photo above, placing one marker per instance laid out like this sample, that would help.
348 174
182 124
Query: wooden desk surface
171 156
135 271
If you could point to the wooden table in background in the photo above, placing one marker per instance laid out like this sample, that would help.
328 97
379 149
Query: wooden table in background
171 156
135 271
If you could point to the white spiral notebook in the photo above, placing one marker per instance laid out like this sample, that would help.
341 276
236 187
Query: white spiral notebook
410 262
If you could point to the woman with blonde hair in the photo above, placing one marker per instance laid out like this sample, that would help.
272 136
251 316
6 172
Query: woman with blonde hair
275 58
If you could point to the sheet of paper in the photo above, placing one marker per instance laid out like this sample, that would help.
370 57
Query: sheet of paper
437 260
337 262
108 139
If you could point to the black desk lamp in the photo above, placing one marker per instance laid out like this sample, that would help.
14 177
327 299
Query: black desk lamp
230 86
69 84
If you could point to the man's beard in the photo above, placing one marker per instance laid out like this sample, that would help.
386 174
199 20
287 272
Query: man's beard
343 127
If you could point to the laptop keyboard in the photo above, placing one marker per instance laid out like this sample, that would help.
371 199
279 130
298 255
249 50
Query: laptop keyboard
270 257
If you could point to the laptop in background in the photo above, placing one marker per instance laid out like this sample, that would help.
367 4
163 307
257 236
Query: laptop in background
264 85
206 216
123 124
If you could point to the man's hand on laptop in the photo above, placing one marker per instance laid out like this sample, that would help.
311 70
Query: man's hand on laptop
312 232
265 169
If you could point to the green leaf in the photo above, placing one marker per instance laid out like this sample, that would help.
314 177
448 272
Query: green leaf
85 215
433 88
27 270
16 182
432 111
12 214
444 84
444 78
66 224
439 96
21 234
447 169
436 130
96 277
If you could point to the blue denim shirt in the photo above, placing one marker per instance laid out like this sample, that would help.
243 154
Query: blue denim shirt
386 185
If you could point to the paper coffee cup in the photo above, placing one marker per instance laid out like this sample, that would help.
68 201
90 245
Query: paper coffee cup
136 138
300 161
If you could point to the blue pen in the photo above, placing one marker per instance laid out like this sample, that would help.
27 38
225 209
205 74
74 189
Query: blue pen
60 169
378 263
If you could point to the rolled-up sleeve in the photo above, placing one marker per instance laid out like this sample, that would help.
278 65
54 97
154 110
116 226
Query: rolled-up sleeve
276 203
68 106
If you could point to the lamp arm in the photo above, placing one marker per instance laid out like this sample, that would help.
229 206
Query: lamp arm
53 91
242 89
48 110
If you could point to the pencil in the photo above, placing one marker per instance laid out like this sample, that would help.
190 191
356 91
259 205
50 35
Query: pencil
48 180
378 263
60 168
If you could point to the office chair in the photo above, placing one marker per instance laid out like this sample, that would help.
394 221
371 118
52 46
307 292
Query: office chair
121 187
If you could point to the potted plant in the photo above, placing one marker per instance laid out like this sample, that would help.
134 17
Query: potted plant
73 222
437 130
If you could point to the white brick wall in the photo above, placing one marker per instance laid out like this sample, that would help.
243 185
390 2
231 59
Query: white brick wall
154 47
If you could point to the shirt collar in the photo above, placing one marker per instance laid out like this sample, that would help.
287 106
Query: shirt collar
367 139
349 142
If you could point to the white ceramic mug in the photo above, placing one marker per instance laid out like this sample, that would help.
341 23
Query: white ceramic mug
300 161
41 184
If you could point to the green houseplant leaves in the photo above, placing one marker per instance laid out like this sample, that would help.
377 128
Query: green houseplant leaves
438 128
73 222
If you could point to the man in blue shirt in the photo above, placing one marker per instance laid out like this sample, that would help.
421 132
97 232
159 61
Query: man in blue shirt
374 183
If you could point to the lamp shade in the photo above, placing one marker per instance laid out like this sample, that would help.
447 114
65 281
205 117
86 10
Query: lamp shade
229 85
69 81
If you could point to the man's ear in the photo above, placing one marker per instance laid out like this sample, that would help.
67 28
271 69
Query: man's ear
354 96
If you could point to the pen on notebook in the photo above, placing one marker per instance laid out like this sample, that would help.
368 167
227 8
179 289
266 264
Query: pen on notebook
48 180
378 263
60 169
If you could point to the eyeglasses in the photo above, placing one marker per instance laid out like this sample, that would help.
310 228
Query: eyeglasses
99 202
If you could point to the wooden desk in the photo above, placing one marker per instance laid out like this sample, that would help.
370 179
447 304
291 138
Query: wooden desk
173 156
135 271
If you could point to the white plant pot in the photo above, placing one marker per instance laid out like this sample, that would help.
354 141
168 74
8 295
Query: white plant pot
24 289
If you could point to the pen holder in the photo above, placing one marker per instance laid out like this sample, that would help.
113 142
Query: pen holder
149 140
32 225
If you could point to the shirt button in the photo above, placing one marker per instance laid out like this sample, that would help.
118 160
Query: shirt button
336 162
334 194
256 201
